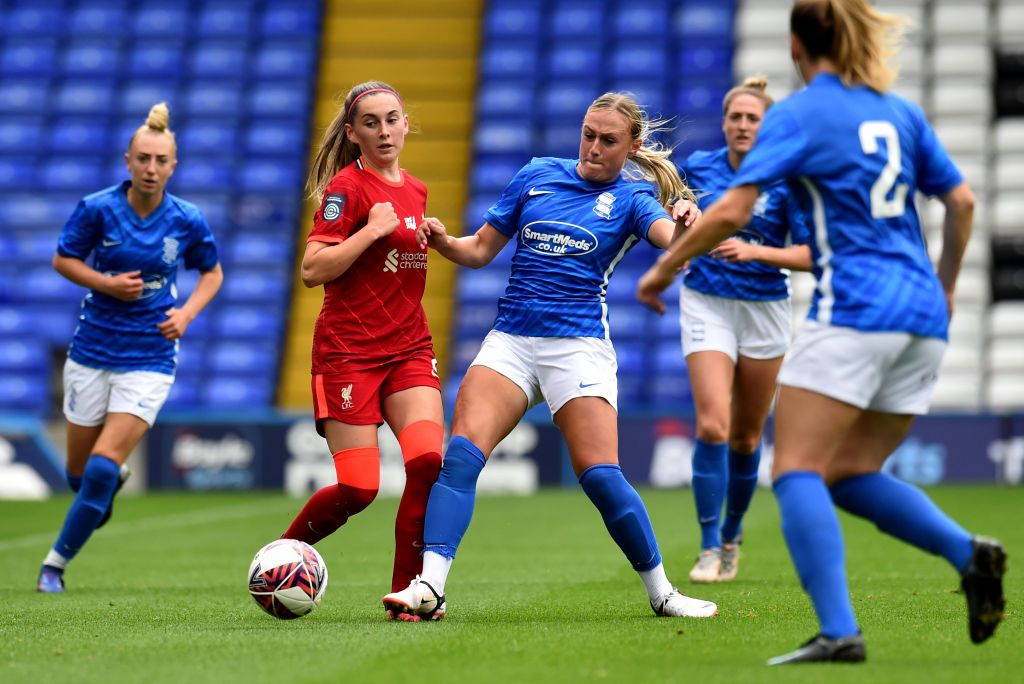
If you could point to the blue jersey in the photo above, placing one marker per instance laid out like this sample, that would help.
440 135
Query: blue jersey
570 234
776 216
854 158
122 336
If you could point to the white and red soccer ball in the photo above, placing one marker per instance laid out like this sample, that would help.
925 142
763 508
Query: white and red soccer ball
287 578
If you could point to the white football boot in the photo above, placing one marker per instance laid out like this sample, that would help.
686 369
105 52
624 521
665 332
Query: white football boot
419 602
709 564
675 604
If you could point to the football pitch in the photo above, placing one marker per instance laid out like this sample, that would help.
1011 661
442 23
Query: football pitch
539 593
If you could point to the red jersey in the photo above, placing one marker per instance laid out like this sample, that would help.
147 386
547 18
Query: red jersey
373 312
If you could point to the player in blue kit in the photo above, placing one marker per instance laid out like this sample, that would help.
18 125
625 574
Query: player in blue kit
573 220
865 363
122 358
736 325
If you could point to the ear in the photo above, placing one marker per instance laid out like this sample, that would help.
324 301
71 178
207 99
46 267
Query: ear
796 48
350 134
635 146
405 118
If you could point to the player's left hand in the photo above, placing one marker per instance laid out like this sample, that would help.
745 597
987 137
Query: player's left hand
686 210
430 232
733 251
650 286
175 325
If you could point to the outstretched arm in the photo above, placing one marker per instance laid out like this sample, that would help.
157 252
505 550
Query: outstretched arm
475 251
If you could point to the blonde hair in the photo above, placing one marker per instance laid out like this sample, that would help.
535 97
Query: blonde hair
756 86
336 150
852 34
157 121
652 159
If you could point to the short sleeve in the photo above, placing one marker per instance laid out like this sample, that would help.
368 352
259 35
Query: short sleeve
202 253
778 152
936 172
796 219
80 234
646 210
339 213
504 214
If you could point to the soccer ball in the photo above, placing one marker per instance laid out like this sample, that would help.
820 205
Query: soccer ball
287 578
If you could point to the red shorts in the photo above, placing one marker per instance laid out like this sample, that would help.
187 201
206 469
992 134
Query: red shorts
355 396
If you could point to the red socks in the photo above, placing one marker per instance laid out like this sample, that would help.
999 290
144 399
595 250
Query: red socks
331 507
421 450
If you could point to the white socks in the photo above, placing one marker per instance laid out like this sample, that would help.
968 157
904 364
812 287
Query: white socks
54 559
435 570
655 580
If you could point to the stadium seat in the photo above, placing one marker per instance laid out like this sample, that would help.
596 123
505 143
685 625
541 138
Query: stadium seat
289 21
951 20
92 59
274 138
224 20
628 321
561 139
23 355
227 61
137 97
213 99
649 94
491 175
576 19
509 99
24 392
512 20
260 176
84 97
185 393
671 391
17 173
509 60
643 62
284 60
252 323
97 20
33 21
80 136
259 250
43 285
1003 392
240 357
156 60
276 99
472 321
1006 320
207 137
203 174
582 61
77 175
641 20
239 392
24 96
216 208
710 21
483 286
707 63
503 138
23 59
256 286
19 134
957 391
162 22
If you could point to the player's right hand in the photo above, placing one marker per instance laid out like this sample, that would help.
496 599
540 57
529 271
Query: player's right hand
431 232
382 216
125 286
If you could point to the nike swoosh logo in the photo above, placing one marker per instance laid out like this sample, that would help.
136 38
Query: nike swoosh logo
533 192
590 384
111 243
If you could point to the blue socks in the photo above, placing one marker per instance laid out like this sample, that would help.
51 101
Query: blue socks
624 514
74 481
742 484
450 506
710 478
811 529
905 512
99 482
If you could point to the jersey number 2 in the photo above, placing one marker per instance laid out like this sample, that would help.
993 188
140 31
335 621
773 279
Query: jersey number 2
881 205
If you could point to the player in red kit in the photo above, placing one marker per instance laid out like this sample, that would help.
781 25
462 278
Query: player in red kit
373 360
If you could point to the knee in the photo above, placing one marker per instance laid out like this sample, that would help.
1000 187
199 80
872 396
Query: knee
421 450
354 499
745 444
712 429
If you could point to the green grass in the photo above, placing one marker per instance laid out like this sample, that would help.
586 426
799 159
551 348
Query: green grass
539 594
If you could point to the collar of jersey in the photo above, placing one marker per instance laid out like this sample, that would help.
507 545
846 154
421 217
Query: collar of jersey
382 179
122 197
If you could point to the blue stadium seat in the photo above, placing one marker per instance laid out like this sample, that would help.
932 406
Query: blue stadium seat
632 391
256 250
24 355
483 286
184 393
224 20
628 320
227 61
156 60
27 210
275 138
80 136
138 96
509 60
84 97
511 99
562 138
24 97
251 322
700 101
78 175
20 135
277 99
705 19
43 284
577 19
462 354
504 138
668 358
491 175
472 321
643 61
284 60
203 174
671 390
580 61
632 357
21 58
278 175
53 323
266 210
641 19
262 286
162 22
622 285
513 20
568 100
709 63
17 173
208 137
216 208
241 392
212 98
702 134
290 21
92 59
24 392
97 20
241 357
33 21
649 94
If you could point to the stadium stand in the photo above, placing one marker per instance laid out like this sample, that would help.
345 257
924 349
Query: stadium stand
76 80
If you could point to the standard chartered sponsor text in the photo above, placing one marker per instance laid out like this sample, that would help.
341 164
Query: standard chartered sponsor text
417 260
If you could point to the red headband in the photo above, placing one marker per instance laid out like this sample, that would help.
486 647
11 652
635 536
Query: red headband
352 105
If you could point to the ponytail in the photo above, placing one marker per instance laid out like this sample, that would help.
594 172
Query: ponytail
157 121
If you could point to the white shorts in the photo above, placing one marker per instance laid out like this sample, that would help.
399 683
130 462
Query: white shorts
555 369
91 393
737 327
891 372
